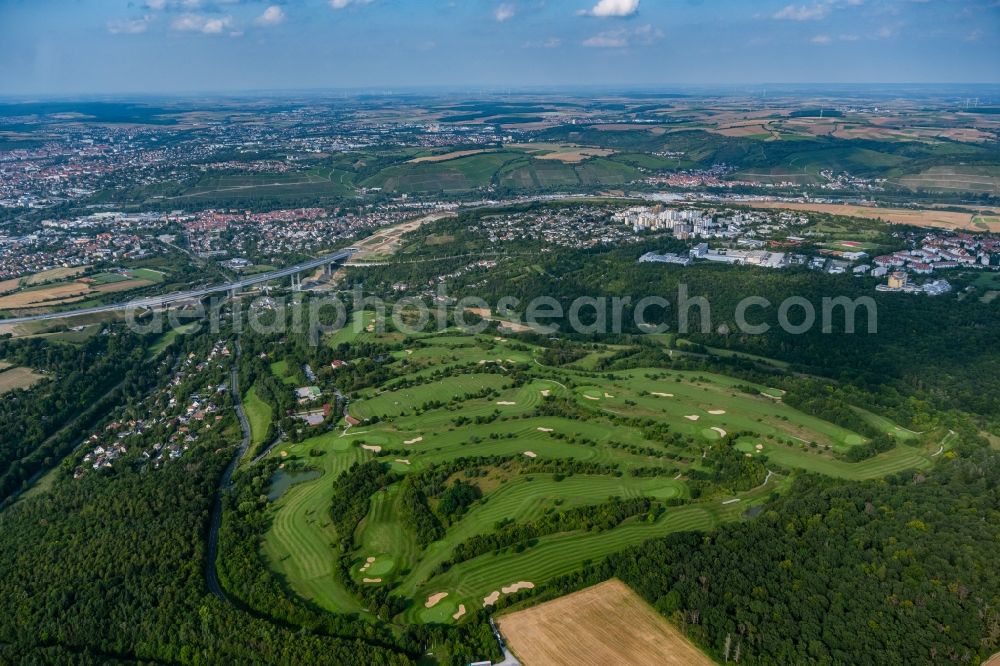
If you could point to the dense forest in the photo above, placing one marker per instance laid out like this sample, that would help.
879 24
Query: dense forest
43 423
113 566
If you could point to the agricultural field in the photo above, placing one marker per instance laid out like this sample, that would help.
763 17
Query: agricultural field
59 287
545 166
319 182
444 157
536 442
980 179
15 378
939 219
604 624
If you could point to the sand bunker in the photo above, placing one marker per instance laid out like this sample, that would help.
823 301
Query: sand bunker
510 360
590 397
722 433
545 429
409 351
717 412
372 580
368 562
517 587
434 599
759 447
372 448
414 440
608 395
402 461
531 454
459 613
692 417
546 393
284 454
506 403
491 598
663 395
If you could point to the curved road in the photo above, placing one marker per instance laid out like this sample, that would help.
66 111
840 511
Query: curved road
211 574
176 297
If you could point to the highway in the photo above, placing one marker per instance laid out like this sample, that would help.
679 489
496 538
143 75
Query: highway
180 296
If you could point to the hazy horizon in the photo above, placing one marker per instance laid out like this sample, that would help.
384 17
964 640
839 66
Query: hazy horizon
119 47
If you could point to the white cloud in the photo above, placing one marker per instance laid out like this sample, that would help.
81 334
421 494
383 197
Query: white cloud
620 38
273 15
550 43
185 4
504 12
341 4
129 26
822 39
802 12
606 8
612 39
207 25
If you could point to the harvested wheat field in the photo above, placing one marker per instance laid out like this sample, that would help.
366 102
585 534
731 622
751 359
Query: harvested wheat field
46 295
576 155
18 378
937 219
54 274
448 156
603 624
7 286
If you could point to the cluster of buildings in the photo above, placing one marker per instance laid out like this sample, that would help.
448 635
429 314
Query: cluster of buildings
165 424
939 252
75 161
932 253
251 166
706 223
733 256
577 227
900 281
847 181
740 226
718 176
50 248
273 234
745 235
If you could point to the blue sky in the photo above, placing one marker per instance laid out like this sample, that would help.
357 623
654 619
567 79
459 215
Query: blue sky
111 46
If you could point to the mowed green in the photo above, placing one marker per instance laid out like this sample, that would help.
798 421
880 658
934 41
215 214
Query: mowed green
301 543
259 414
383 537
